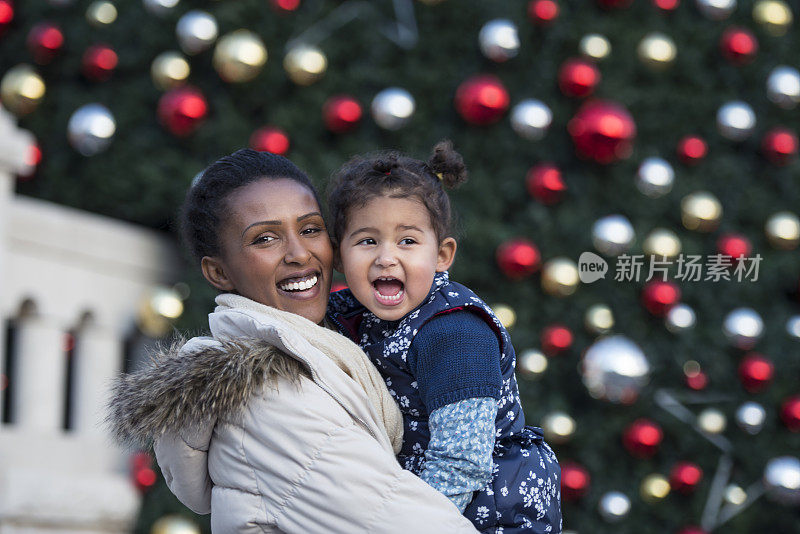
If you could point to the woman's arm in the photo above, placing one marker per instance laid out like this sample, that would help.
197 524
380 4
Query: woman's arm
183 460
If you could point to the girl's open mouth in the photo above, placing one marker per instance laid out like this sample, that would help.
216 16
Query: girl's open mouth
388 291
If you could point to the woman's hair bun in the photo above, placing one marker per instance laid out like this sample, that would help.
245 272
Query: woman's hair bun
448 164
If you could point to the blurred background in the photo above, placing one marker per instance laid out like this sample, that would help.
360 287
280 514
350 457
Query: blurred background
636 130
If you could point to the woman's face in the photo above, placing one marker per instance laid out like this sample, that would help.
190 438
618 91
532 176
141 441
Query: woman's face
275 248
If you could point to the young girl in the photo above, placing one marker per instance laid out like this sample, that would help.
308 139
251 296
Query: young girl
446 358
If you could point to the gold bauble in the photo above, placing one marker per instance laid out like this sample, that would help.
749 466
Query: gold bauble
174 524
773 15
654 488
662 243
21 89
783 230
169 69
305 64
505 314
101 13
560 277
595 46
657 51
158 310
558 427
712 421
701 211
239 56
735 494
599 319
531 364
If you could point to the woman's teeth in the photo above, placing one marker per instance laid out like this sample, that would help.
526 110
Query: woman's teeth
301 285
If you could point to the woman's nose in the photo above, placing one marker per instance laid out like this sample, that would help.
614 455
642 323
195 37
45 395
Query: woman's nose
297 252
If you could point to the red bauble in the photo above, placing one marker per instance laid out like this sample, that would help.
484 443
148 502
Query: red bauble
518 258
734 245
602 131
543 12
270 139
578 77
545 184
755 372
685 477
482 99
691 529
182 110
659 296
556 338
99 62
142 472
6 15
667 5
33 159
45 41
642 438
284 6
780 145
738 45
341 113
790 413
575 481
692 149
697 381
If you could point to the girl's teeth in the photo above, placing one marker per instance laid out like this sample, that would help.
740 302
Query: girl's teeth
300 286
392 297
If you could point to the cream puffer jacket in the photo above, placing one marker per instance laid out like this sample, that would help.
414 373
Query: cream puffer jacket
266 444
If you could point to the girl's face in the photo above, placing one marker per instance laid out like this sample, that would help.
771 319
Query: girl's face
275 248
389 254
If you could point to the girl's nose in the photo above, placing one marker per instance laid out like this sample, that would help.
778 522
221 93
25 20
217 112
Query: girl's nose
386 258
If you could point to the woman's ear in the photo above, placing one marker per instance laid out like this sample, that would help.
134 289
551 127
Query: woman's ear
447 254
214 271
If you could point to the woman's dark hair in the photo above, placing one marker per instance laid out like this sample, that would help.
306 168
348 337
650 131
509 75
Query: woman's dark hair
205 204
395 175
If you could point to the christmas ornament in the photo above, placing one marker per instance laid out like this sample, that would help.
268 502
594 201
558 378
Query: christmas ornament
21 90
560 277
743 328
575 481
655 177
793 326
701 211
556 339
498 40
99 62
773 16
6 15
782 480
160 7
481 100
783 86
33 160
44 42
142 471
270 139
691 529
736 120
790 413
750 417
612 235
505 314
158 310
685 477
696 379
602 131
531 118
712 421
615 369
614 506
543 12
755 372
305 64
341 113
734 246
169 70
654 488
657 51
531 364
239 56
284 6
196 31
658 296
518 258
692 149
598 319
680 317
735 494
545 184
101 13
182 110
594 46
662 243
642 438
667 5
738 45
392 108
578 77
90 129
780 145
174 524
558 427
716 9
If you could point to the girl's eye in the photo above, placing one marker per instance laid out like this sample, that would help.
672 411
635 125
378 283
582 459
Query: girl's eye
366 241
407 241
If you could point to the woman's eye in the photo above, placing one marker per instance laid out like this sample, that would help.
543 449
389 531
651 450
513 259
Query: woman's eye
263 239
311 230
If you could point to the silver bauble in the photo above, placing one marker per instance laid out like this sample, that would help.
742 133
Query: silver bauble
499 40
196 31
716 9
736 120
91 129
612 235
655 177
614 506
783 86
743 327
531 118
615 369
531 364
160 7
793 326
679 318
392 108
750 417
782 479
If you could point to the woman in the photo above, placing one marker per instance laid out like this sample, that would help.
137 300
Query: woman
273 423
